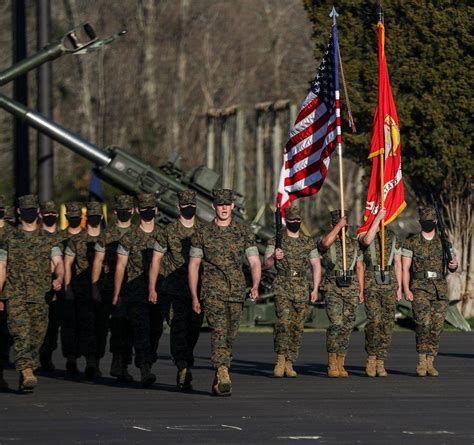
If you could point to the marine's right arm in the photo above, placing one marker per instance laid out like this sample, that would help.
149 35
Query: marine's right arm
196 253
3 276
328 239
407 255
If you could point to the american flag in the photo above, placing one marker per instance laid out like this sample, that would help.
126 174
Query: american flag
315 134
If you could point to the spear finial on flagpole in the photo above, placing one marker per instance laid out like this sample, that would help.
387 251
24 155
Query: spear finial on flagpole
380 12
333 14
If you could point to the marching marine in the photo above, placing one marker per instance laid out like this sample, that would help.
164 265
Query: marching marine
291 290
135 251
424 283
79 255
222 247
103 273
383 288
27 258
343 291
172 247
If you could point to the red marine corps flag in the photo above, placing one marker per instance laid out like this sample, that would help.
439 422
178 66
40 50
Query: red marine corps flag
385 151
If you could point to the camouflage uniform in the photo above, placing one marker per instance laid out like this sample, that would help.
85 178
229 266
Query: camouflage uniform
341 302
82 335
50 342
380 299
223 250
291 291
28 256
175 242
430 295
137 245
121 335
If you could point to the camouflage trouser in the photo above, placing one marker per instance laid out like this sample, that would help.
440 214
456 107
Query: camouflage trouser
289 328
5 339
224 320
341 313
50 342
429 313
380 306
185 330
68 321
27 323
146 321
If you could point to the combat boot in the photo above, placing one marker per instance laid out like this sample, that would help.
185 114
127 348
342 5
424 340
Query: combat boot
98 372
3 382
333 370
116 365
91 367
46 362
370 367
430 369
125 376
28 380
289 371
341 358
184 379
421 368
222 385
380 368
279 370
148 378
71 367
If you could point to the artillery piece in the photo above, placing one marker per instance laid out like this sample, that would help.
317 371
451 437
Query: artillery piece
132 175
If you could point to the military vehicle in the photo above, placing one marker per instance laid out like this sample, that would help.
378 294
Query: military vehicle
130 174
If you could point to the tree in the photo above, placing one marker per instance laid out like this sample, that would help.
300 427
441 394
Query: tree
429 54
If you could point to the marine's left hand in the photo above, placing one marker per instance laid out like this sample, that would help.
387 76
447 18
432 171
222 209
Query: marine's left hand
57 284
453 264
314 296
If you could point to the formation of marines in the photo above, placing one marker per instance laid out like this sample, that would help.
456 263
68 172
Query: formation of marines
83 282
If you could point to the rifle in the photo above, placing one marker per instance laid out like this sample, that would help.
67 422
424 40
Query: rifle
448 252
278 227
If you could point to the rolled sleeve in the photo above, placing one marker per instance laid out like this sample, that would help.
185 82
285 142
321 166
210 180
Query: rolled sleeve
159 248
99 247
3 255
314 254
121 250
56 251
196 252
269 250
251 251
406 252
69 251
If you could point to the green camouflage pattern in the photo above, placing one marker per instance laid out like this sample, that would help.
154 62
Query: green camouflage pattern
125 202
223 251
292 213
380 307
28 202
146 200
187 197
430 296
223 196
138 246
224 320
427 213
426 255
94 208
108 242
48 207
74 209
82 247
341 312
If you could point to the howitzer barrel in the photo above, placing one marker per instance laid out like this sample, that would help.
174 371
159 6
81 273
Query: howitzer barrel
73 41
56 132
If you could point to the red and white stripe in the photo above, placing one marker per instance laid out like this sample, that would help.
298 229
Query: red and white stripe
307 154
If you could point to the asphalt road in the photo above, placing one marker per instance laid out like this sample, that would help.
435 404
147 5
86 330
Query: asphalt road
401 408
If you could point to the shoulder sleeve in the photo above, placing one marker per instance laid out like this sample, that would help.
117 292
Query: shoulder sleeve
125 245
314 252
100 243
197 245
56 251
161 241
70 248
250 243
3 250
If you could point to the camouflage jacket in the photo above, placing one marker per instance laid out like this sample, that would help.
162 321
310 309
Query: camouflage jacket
108 242
332 262
28 256
174 241
81 247
223 251
292 271
137 245
372 259
427 256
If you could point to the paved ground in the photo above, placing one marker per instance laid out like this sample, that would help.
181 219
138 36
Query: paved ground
400 409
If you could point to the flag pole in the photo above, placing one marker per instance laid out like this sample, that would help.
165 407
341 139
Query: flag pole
382 166
334 14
